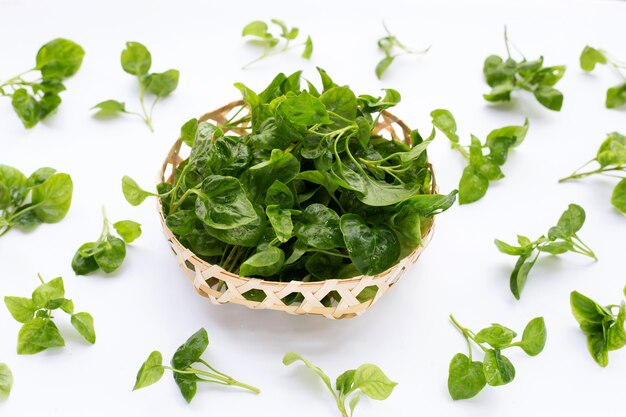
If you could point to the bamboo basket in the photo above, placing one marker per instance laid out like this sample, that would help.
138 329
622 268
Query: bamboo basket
222 287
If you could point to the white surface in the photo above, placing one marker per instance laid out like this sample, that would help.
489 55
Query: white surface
149 304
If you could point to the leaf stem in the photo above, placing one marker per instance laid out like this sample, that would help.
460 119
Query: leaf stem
588 173
468 335
142 93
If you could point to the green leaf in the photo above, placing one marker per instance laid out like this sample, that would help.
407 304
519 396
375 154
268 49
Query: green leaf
6 381
110 254
465 378
520 274
228 156
281 166
308 48
592 320
136 60
341 101
371 249
280 220
83 323
133 193
150 372
264 263
128 230
372 382
496 335
618 198
189 352
22 309
509 249
383 65
498 369
534 337
616 336
82 265
571 221
304 109
53 198
291 357
26 107
473 185
247 235
556 248
59 59
590 57
549 97
279 194
188 131
514 134
324 265
48 292
256 28
616 96
162 84
319 227
38 335
444 121
110 107
222 203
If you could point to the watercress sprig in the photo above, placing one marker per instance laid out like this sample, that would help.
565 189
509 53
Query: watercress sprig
108 252
35 97
185 364
481 169
611 162
603 326
506 76
26 202
467 377
561 238
6 381
590 57
393 48
39 332
136 60
259 35
309 189
367 379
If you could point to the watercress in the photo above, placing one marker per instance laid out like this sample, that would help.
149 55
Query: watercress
367 379
611 162
312 191
108 252
561 238
136 60
6 381
185 364
506 76
26 202
39 332
467 377
35 97
390 45
603 326
259 35
481 168
590 57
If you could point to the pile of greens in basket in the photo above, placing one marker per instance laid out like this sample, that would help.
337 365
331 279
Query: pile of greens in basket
311 192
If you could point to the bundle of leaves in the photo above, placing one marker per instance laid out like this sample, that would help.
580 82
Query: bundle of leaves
312 192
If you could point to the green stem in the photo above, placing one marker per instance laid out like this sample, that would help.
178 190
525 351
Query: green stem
269 53
24 210
40 278
339 255
225 378
588 173
182 199
582 245
468 335
142 93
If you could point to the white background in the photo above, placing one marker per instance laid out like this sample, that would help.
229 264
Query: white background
149 304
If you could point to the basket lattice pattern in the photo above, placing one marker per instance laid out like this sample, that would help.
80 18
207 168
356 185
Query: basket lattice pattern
222 287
